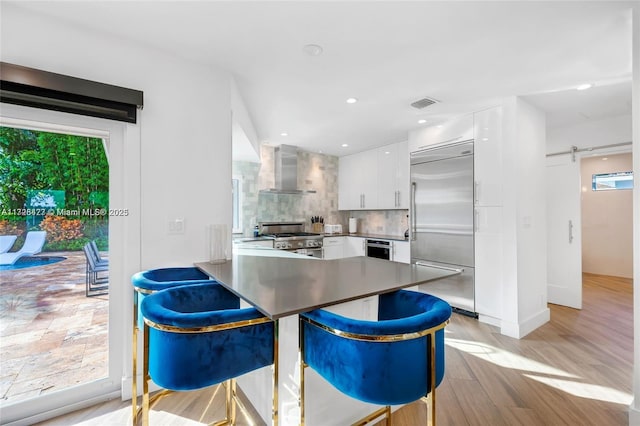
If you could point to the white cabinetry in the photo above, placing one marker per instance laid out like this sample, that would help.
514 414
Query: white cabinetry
356 181
375 179
355 246
487 159
488 262
333 247
456 130
393 176
401 251
488 213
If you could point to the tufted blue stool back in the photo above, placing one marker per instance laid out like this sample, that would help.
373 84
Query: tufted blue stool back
197 335
384 362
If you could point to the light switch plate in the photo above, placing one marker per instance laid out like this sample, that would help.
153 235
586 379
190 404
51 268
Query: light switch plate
176 226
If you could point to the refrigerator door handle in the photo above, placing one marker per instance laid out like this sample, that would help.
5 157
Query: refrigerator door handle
570 232
458 270
413 211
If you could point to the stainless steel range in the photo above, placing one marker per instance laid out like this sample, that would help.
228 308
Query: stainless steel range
292 237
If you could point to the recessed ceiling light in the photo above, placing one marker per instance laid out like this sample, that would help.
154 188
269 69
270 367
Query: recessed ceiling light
284 134
312 50
422 121
604 158
387 152
439 126
344 145
352 100
485 139
320 151
584 86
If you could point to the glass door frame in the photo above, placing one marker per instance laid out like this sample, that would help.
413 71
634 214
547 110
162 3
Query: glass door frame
122 146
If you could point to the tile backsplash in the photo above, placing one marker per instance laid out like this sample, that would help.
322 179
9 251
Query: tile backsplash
386 222
315 171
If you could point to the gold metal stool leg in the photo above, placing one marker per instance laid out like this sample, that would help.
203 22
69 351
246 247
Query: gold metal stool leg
134 366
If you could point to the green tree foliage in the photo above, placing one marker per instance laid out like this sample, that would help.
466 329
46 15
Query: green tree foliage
41 160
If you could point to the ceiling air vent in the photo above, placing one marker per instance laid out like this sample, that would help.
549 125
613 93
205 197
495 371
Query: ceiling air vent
423 103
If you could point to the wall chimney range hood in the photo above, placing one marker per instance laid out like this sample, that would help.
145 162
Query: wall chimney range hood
286 172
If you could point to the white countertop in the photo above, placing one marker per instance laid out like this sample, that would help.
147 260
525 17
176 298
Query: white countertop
280 283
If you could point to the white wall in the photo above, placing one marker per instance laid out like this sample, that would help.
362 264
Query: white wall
185 124
607 220
524 219
592 133
184 134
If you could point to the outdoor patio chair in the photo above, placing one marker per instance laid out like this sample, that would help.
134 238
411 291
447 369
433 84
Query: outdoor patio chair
96 254
96 284
33 244
6 242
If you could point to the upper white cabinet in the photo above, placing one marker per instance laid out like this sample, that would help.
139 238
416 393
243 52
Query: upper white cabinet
357 185
393 176
375 179
456 130
487 158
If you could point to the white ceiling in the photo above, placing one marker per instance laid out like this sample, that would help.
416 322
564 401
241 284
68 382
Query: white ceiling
387 54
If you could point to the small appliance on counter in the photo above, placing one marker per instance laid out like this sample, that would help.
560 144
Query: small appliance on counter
333 229
353 225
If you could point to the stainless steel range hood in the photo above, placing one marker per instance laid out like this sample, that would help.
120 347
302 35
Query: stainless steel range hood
286 172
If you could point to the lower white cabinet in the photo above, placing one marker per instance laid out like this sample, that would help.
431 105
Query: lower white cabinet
488 261
401 251
355 246
333 247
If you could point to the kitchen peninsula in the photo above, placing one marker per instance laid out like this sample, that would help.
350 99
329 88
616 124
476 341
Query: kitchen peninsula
282 284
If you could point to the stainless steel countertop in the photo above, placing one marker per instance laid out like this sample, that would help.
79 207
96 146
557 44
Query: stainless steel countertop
280 286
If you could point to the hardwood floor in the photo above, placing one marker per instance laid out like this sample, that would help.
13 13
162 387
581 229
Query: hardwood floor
574 370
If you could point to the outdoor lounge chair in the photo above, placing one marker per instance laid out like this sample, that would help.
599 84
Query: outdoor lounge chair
6 242
33 244
96 284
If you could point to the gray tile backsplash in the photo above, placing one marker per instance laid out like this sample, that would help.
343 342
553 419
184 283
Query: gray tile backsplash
315 171
387 222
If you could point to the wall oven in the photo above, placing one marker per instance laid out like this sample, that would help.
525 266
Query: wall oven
379 248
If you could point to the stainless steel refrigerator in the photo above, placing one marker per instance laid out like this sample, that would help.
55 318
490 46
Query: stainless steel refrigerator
442 220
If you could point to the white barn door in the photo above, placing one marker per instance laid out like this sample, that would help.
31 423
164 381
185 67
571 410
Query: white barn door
564 240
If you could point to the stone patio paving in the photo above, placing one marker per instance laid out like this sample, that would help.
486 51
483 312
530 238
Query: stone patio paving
51 335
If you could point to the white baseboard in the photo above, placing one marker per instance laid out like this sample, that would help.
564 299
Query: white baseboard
521 329
65 409
534 321
634 416
490 320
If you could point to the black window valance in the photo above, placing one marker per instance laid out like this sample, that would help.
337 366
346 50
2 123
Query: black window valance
42 89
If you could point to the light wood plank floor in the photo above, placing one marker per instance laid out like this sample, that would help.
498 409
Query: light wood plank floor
575 370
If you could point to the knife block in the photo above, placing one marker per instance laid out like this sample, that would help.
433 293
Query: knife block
317 228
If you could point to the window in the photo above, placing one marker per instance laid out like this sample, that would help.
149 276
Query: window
237 204
611 181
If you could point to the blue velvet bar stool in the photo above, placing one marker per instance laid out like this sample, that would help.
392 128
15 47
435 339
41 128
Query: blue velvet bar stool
395 360
197 336
148 282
